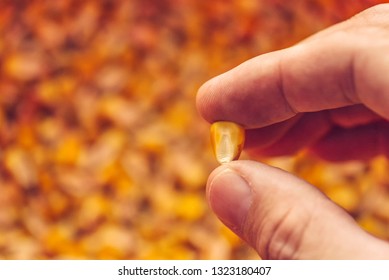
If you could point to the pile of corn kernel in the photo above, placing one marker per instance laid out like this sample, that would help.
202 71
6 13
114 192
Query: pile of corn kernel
102 152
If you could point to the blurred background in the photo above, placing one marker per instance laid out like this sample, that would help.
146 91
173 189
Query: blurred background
102 152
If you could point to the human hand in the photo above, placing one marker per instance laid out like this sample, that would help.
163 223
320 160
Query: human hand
330 94
330 88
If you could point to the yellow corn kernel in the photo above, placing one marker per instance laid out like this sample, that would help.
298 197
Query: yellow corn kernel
227 139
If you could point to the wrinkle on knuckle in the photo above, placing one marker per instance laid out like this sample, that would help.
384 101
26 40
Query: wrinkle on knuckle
283 87
280 236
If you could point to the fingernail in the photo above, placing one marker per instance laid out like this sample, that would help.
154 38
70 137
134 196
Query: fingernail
230 198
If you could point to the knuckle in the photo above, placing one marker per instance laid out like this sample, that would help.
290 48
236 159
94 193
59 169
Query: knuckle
279 234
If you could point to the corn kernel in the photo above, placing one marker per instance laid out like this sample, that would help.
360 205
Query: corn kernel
227 139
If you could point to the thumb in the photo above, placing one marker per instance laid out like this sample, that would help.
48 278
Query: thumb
283 217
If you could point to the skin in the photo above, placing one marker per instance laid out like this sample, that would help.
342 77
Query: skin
328 94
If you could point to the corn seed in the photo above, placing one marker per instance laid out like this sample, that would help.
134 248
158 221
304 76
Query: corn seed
227 139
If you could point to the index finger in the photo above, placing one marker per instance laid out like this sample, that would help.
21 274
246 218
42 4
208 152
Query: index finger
345 65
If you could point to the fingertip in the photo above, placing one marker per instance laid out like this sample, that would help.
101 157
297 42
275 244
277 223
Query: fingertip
205 100
200 98
213 174
230 198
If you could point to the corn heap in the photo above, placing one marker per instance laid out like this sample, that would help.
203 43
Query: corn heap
103 155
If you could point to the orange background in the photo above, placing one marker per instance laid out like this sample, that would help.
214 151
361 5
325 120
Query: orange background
103 155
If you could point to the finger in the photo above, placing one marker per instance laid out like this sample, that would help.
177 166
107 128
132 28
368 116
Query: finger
356 143
355 135
352 116
337 68
268 135
283 217
307 130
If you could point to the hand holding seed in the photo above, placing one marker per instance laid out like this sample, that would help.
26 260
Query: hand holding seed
330 95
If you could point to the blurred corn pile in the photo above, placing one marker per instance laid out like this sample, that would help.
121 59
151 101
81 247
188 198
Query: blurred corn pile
103 155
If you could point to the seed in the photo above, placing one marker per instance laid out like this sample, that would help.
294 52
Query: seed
227 139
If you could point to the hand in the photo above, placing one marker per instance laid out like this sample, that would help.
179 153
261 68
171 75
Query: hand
321 93
330 94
